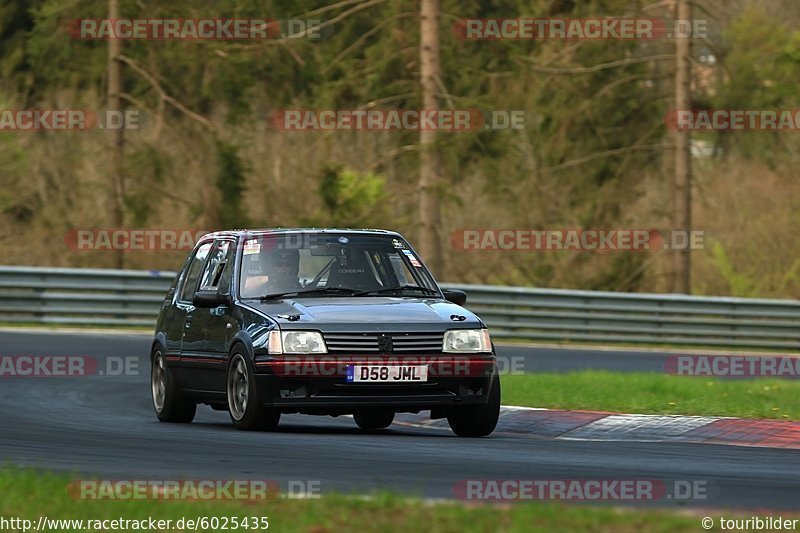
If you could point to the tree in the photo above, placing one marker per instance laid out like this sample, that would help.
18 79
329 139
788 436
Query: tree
117 136
429 212
683 155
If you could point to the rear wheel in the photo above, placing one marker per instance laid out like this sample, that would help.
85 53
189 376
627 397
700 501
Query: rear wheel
478 420
169 404
244 407
374 419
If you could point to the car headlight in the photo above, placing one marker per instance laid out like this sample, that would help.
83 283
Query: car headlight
296 342
467 341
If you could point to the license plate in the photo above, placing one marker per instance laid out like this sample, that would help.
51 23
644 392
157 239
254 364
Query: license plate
387 373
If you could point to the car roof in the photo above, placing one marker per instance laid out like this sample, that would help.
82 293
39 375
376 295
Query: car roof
286 231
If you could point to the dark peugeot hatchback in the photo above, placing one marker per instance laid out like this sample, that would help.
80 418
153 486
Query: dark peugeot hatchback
321 322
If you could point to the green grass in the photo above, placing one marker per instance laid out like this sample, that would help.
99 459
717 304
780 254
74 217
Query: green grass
652 393
28 494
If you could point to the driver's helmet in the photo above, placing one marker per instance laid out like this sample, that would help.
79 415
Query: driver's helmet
283 266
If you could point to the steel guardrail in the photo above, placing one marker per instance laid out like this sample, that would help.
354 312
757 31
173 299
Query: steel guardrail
106 297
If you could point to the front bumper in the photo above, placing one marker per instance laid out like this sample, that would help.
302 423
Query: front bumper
319 385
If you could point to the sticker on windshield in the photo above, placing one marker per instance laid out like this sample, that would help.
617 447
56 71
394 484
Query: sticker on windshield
343 240
397 243
252 247
412 259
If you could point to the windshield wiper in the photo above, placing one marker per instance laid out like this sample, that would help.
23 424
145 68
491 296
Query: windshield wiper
425 290
321 290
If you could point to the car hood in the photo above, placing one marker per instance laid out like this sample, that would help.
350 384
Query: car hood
367 314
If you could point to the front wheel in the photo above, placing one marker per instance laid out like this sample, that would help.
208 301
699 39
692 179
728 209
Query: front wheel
169 404
244 407
374 419
478 420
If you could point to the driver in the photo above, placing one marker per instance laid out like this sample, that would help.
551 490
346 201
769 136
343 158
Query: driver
270 272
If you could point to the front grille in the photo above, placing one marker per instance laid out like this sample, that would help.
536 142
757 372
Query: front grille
351 342
417 342
360 343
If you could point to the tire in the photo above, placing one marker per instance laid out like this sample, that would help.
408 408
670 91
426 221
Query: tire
169 404
374 419
244 407
478 420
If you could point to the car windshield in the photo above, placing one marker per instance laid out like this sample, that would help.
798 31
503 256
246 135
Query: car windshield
314 264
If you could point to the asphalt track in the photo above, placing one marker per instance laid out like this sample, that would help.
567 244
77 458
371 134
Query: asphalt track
104 426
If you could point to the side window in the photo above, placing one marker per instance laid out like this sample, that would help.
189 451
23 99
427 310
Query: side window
217 266
193 272
224 284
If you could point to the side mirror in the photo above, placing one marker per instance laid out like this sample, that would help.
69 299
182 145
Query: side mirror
209 299
455 296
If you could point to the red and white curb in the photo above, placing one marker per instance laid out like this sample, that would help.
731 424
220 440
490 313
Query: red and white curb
600 426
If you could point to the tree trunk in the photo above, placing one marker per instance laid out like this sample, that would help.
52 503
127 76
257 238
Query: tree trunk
683 161
117 136
430 161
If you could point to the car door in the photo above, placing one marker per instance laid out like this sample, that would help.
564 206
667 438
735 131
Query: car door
171 318
206 332
180 308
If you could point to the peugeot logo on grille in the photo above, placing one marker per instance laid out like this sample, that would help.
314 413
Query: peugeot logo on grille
384 343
